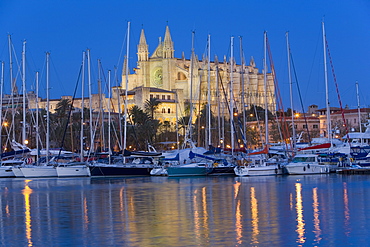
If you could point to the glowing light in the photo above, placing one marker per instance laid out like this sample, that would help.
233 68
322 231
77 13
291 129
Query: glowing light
27 213
255 219
5 124
238 224
26 141
316 213
299 208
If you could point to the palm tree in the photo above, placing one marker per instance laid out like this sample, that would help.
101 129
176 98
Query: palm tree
151 105
144 128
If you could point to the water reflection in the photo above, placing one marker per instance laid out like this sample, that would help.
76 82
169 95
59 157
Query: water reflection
254 211
217 211
316 214
346 210
27 211
299 209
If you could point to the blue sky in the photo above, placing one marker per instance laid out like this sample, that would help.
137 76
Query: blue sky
67 28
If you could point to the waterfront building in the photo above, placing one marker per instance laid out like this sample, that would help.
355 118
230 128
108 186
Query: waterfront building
163 76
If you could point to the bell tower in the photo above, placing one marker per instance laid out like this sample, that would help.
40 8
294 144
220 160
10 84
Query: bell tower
142 48
168 50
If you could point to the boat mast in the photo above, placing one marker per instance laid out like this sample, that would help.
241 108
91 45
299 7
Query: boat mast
243 86
209 92
90 103
231 94
177 121
120 142
294 138
24 92
82 107
37 116
47 109
191 87
109 116
358 109
265 87
126 89
218 106
12 83
1 104
328 121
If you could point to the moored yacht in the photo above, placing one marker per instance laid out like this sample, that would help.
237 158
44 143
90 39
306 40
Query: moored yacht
73 169
261 168
192 169
307 164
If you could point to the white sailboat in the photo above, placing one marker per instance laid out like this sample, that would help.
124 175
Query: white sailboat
262 167
74 168
43 170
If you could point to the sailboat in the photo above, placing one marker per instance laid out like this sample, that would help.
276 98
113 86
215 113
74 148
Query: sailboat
42 169
304 163
264 166
75 168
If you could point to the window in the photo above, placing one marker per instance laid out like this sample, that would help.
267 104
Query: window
315 126
157 96
151 96
163 97
169 97
163 110
169 110
304 126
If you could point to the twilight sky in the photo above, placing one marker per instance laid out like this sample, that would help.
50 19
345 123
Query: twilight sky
66 28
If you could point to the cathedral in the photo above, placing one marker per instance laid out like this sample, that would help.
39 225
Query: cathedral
177 82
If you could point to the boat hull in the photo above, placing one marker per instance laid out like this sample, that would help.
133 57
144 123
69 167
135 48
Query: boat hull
112 170
73 171
176 171
6 172
223 170
307 169
39 171
258 171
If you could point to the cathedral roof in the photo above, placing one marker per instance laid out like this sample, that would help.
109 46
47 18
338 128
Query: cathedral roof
151 89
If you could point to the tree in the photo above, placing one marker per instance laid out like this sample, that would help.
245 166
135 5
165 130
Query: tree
151 105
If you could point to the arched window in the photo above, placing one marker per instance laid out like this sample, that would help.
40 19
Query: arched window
169 110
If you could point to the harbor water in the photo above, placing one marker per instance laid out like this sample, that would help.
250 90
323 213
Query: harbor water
310 210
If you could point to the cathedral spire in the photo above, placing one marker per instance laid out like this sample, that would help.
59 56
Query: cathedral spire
142 48
168 49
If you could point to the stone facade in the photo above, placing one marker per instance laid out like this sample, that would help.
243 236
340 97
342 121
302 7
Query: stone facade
167 78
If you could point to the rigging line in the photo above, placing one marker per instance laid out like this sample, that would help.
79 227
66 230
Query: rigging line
337 89
300 99
284 125
227 104
70 111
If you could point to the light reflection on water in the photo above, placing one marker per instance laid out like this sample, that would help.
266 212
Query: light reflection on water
205 211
